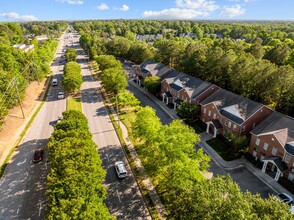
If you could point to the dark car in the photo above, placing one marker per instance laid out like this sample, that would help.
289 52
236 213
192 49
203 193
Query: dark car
38 155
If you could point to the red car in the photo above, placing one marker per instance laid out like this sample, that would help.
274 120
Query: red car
38 155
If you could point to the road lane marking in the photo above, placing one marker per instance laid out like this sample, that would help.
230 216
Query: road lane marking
118 196
40 209
20 163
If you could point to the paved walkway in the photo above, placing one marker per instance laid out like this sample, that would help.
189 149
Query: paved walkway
162 214
228 165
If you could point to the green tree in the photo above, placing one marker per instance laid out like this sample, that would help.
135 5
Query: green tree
188 112
152 84
114 80
107 62
72 80
71 54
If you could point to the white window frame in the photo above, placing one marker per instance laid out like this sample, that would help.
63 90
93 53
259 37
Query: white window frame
209 113
257 142
234 127
265 146
204 110
230 124
214 116
274 151
287 157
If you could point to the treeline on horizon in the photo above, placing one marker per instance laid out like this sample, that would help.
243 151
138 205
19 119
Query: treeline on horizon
254 59
20 68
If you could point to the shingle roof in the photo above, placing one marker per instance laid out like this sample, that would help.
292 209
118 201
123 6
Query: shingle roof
232 106
193 85
170 77
290 148
160 70
282 126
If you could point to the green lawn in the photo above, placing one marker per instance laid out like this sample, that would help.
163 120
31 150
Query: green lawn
74 104
221 148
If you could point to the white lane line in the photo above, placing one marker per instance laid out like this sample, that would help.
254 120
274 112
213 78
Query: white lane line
40 209
118 196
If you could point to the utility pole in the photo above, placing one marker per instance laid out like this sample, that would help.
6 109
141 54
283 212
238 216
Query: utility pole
17 92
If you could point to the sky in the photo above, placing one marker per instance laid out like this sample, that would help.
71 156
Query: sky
44 10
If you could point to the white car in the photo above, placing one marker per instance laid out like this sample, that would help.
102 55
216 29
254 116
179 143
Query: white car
60 95
284 197
120 169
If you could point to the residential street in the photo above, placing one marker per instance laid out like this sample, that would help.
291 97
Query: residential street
124 198
22 187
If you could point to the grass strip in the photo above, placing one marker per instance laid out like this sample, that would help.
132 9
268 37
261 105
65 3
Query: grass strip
74 104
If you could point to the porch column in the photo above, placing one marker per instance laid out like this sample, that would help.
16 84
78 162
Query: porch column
207 128
167 100
175 105
214 134
163 95
277 175
264 166
137 79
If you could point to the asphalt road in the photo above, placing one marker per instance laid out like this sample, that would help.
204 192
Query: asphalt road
244 178
22 188
124 198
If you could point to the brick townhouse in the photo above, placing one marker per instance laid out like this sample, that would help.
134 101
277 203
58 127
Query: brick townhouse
224 111
272 142
177 87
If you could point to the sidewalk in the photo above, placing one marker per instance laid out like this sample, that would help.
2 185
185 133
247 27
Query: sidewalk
162 214
229 165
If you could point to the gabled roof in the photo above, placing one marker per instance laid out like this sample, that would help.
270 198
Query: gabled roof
147 66
172 76
160 70
232 106
193 85
282 126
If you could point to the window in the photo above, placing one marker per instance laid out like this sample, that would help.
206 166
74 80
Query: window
287 157
204 110
222 120
196 102
234 126
257 141
230 124
209 113
265 146
290 177
227 122
274 151
243 127
254 153
214 116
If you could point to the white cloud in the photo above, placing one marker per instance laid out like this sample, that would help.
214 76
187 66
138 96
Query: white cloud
197 4
174 13
123 8
72 2
235 10
103 6
17 17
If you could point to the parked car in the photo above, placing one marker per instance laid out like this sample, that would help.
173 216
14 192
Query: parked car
284 197
54 82
38 155
120 169
60 95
